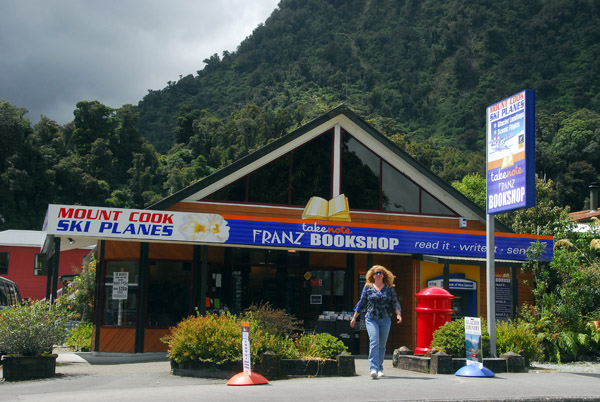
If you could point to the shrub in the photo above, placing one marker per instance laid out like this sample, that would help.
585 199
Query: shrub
274 321
319 346
262 341
80 337
517 336
32 330
218 339
209 338
451 338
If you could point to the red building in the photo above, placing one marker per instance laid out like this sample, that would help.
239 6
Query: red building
22 263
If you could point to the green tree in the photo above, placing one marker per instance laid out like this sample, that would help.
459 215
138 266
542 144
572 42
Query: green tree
80 293
93 120
474 187
544 217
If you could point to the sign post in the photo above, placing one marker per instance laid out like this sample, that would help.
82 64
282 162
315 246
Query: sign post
246 357
247 377
510 127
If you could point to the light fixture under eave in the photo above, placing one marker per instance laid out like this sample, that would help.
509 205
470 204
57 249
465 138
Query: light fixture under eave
71 241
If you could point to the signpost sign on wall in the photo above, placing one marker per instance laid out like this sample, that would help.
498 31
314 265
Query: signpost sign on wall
120 285
503 297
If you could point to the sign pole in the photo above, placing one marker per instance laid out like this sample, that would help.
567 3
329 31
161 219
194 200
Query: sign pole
246 377
491 283
510 176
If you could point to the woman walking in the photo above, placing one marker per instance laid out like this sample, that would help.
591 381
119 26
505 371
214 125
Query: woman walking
377 298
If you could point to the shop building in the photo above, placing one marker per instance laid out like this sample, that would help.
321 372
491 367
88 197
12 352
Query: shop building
296 224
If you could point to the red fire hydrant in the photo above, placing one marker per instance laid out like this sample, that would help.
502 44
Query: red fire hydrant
434 310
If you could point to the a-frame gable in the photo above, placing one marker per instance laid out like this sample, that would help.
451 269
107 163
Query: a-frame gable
344 119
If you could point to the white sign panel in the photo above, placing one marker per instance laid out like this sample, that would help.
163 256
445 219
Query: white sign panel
120 285
473 341
246 356
65 220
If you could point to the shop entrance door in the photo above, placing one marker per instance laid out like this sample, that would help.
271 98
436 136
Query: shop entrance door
322 290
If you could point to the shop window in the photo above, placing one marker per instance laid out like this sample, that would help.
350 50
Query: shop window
40 267
4 263
324 291
400 193
235 192
311 170
120 293
168 293
369 182
432 206
270 184
240 255
360 175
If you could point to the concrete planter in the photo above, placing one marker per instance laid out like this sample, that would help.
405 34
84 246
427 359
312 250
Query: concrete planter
441 363
19 368
271 367
206 369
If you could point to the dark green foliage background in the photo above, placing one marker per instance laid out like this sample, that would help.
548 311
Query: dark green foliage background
421 72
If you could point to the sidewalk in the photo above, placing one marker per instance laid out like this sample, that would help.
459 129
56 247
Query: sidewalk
146 377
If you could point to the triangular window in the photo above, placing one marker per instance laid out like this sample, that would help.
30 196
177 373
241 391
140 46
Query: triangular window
369 182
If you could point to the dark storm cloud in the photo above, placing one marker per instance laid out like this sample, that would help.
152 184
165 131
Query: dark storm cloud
54 53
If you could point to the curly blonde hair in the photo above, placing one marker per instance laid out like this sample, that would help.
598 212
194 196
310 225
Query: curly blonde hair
388 277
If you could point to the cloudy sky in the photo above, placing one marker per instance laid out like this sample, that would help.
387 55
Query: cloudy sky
54 53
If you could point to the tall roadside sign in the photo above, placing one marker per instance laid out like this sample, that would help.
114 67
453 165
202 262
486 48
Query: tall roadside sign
511 153
510 128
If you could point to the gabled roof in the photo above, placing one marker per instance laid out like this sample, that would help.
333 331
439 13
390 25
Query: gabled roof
584 216
357 127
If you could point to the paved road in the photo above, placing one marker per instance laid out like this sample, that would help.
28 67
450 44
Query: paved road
85 377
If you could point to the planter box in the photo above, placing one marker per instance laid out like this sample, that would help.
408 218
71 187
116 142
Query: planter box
19 368
507 363
206 369
271 367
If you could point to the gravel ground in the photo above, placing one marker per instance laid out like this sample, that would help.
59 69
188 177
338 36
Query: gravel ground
576 367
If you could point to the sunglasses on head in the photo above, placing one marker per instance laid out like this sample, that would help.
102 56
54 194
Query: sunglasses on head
378 273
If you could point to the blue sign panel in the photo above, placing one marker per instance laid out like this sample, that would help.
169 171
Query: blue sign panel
358 238
511 153
202 228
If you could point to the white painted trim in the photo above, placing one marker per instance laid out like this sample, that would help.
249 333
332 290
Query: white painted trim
337 160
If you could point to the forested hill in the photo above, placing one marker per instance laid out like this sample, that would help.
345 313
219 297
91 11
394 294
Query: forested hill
422 72
424 69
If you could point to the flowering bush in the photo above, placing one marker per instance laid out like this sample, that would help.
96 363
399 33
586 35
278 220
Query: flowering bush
32 330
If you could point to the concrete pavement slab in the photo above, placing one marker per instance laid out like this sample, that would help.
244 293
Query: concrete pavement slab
128 380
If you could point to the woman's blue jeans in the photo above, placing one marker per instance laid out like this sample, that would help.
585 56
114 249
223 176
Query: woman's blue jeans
378 330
